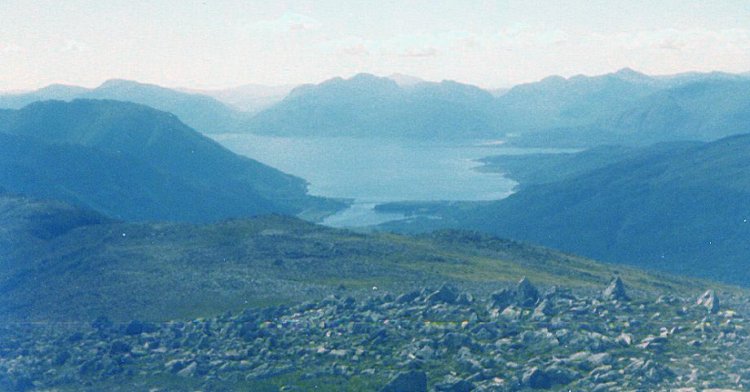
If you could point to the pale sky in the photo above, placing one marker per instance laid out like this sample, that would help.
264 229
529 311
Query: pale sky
216 44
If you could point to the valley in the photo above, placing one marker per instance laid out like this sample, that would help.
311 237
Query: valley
233 196
369 171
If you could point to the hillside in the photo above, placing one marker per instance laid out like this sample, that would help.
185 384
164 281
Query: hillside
682 209
162 271
530 169
139 164
198 111
366 105
27 224
702 110
276 302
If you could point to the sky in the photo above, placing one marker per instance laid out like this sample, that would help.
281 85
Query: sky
223 43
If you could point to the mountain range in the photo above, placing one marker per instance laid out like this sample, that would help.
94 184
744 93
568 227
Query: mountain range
370 106
133 162
624 107
579 101
198 111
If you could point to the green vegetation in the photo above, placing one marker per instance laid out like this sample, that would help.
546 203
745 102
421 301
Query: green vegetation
163 271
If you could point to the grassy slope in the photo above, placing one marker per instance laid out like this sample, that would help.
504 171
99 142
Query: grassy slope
167 271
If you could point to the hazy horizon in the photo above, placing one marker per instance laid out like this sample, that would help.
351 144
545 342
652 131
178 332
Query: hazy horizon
490 44
198 89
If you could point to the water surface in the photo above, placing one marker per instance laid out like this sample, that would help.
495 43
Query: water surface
373 171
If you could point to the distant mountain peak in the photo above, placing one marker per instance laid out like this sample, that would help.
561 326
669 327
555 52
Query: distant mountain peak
360 81
117 82
125 83
404 80
627 71
365 75
60 86
553 79
631 74
370 78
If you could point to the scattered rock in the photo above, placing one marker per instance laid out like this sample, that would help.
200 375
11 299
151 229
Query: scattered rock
119 347
413 381
446 294
542 310
61 358
564 341
455 384
710 301
526 294
624 339
407 297
137 327
512 313
616 290
189 370
454 341
536 378
502 299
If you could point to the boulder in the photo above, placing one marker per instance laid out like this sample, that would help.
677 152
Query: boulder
454 341
709 300
501 299
61 358
455 384
407 297
512 312
542 310
615 290
526 294
412 381
446 294
536 378
465 299
119 347
137 327
188 371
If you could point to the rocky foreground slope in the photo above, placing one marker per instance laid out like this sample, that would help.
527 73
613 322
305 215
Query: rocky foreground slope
519 338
